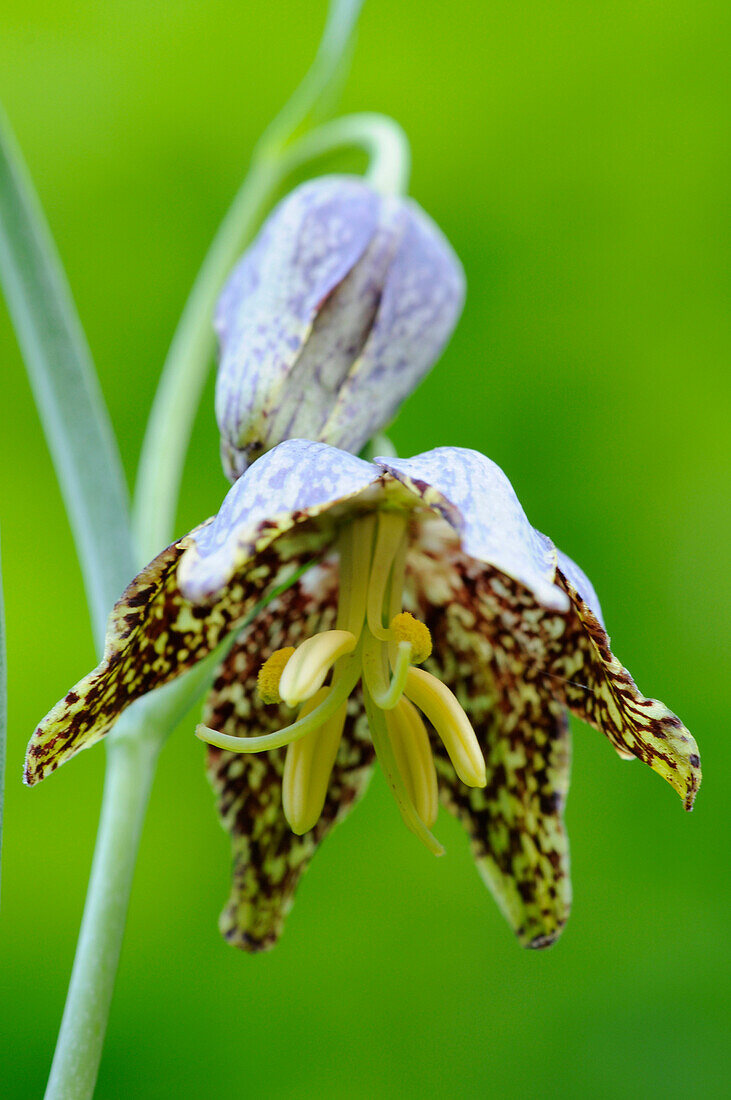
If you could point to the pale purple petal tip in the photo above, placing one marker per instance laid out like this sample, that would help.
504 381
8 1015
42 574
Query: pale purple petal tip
295 479
476 498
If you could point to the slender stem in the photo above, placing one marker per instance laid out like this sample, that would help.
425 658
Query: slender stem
130 770
186 368
191 352
321 84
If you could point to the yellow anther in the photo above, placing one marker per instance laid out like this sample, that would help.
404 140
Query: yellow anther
308 765
414 758
405 628
307 670
451 723
270 674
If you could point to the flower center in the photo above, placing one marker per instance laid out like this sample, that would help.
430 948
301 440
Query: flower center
379 644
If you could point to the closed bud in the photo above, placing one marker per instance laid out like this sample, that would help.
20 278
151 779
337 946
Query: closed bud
332 317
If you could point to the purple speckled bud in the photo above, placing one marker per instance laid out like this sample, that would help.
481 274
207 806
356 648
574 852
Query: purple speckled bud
332 317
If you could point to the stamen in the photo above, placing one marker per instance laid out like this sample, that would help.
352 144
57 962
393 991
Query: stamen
307 669
398 576
347 676
355 549
414 759
308 766
386 694
387 760
405 628
451 723
391 529
270 673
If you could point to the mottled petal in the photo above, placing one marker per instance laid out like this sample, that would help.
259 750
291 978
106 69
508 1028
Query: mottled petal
576 577
154 634
334 344
307 247
515 822
297 481
475 497
597 688
568 654
420 304
268 858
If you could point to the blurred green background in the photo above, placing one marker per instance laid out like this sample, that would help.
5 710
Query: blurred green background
577 156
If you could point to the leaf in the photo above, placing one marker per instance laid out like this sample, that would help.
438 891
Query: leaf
65 387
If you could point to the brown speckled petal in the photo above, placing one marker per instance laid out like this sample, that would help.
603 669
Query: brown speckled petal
597 688
154 634
515 823
268 858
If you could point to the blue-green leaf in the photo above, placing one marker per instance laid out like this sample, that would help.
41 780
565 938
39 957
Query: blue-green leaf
65 387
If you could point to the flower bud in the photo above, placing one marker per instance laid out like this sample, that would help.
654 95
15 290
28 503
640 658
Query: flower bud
331 318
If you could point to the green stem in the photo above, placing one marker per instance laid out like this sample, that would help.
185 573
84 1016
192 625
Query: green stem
130 770
132 753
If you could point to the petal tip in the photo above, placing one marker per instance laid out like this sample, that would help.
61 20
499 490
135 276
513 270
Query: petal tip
543 940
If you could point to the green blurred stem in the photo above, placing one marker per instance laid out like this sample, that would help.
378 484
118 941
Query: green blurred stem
131 758
191 352
130 770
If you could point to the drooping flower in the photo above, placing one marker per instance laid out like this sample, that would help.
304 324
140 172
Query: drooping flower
332 317
425 560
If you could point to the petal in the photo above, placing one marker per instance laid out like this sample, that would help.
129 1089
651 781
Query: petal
477 500
422 299
306 248
515 822
297 481
268 858
154 634
597 688
569 654
576 576
333 349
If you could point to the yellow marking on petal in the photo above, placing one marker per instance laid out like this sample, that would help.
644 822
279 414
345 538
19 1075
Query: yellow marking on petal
270 673
405 628
451 723
307 669
308 766
414 759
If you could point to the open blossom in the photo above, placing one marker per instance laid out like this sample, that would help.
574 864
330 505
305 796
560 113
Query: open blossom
332 317
430 562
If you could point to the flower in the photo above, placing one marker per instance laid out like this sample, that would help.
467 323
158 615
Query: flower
337 310
429 559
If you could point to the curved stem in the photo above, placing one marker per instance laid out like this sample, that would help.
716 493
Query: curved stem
130 770
320 84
